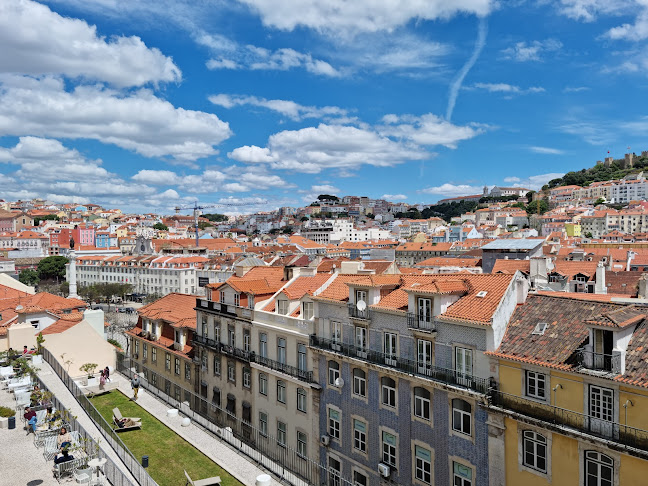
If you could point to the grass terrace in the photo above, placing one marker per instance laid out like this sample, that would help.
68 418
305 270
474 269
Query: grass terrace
169 454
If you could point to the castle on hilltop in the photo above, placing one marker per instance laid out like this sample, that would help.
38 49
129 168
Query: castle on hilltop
625 163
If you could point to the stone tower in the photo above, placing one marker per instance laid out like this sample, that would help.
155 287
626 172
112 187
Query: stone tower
72 275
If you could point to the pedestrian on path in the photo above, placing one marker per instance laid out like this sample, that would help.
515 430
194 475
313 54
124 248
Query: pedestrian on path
135 384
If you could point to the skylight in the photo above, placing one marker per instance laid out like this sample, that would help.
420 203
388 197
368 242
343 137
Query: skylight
482 293
540 328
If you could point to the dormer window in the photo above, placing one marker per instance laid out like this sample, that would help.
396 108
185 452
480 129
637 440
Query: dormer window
178 336
424 306
282 307
237 300
360 295
222 297
308 310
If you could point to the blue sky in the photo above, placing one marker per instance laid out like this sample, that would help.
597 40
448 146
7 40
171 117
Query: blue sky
149 104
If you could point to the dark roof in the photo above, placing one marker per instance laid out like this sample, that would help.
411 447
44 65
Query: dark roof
636 365
622 282
566 329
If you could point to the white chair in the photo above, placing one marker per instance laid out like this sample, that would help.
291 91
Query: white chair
19 383
22 400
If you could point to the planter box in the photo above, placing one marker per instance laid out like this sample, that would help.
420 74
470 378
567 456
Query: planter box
37 359
4 422
93 381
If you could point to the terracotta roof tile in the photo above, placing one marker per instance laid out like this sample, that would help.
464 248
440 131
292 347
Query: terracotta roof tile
305 285
511 266
176 309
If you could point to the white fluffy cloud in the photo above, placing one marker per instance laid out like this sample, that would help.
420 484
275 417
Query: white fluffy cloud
37 41
325 189
505 88
427 129
546 150
589 10
394 197
448 189
313 149
334 16
288 108
532 51
137 121
230 55
535 182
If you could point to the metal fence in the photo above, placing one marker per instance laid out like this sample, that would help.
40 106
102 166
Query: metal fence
113 473
289 465
613 431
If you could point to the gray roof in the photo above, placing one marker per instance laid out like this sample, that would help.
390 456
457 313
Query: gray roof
251 262
513 244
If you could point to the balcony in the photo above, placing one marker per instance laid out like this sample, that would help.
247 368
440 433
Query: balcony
356 313
612 431
251 357
607 363
424 369
225 309
420 322
304 325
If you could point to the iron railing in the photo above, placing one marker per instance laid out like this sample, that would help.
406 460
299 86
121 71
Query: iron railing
598 361
589 424
424 369
357 313
419 321
252 357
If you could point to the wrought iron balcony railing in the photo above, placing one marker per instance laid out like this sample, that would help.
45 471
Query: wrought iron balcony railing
420 321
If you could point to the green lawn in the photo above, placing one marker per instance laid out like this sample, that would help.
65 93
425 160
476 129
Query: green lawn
168 453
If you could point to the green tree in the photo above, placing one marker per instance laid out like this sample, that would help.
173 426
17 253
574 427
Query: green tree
49 217
588 234
537 207
304 218
327 197
215 217
160 227
287 230
600 200
52 268
28 277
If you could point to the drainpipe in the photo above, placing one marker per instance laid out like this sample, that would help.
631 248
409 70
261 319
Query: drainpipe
625 405
555 389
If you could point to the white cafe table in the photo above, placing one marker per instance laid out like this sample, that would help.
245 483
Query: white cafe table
97 463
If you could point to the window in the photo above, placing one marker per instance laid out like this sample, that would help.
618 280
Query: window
464 365
217 332
359 382
282 307
153 354
423 465
176 392
422 403
281 391
335 472
361 339
217 365
388 391
281 434
334 423
231 371
461 475
263 345
601 410
359 479
359 435
301 444
424 310
176 366
216 397
461 416
308 310
281 350
246 340
167 363
536 385
301 399
301 357
534 454
263 423
237 300
389 448
188 371
360 295
204 326
154 379
334 372
136 347
599 469
336 332
231 336
389 348
222 297
144 351
247 377
263 384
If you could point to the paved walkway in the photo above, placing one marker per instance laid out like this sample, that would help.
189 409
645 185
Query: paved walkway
218 451
21 462
58 388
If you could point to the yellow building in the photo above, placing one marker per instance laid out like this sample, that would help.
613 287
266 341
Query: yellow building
572 230
573 393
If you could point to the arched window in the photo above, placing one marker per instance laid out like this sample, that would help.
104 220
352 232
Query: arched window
535 450
599 469
359 382
334 372
422 403
388 391
461 416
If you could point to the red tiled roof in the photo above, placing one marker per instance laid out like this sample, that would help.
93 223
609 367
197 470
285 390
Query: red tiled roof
305 285
176 309
511 266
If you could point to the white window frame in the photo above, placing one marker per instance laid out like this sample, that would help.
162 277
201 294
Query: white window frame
592 456
359 435
301 400
389 452
263 423
359 383
333 373
281 391
422 403
281 433
537 381
422 465
534 449
460 415
388 392
334 423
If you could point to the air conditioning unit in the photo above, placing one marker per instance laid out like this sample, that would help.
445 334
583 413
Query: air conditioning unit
325 440
384 470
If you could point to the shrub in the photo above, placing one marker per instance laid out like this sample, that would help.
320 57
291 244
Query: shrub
115 343
7 412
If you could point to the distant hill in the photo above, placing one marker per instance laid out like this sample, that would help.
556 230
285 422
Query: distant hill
598 173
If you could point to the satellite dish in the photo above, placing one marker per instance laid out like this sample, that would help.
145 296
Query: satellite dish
339 382
361 305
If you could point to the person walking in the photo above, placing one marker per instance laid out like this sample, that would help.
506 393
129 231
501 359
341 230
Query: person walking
135 384
107 373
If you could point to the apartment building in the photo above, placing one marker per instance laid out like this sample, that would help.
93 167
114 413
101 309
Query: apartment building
161 344
401 364
147 274
409 254
573 393
256 364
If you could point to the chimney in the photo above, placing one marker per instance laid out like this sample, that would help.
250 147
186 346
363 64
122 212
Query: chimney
599 285
631 255
643 286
